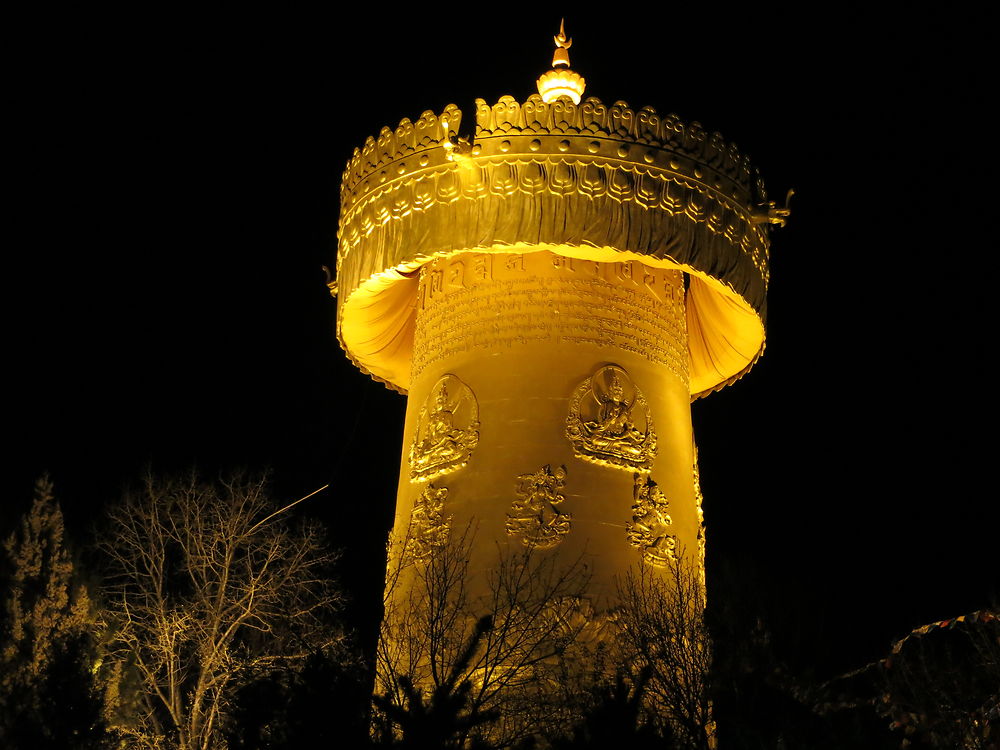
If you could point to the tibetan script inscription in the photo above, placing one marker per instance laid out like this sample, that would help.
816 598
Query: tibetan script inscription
535 515
610 423
429 528
482 302
447 430
649 531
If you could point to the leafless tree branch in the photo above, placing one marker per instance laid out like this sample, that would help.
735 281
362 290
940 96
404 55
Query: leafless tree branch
207 584
513 672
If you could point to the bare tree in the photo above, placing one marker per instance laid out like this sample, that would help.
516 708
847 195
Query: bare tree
502 653
209 585
664 643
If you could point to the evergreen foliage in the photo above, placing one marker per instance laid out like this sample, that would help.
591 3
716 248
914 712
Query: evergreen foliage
445 718
614 719
48 694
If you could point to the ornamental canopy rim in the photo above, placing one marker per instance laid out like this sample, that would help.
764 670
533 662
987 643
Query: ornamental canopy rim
588 181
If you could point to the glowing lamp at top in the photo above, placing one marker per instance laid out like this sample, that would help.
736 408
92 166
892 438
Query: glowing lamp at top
561 81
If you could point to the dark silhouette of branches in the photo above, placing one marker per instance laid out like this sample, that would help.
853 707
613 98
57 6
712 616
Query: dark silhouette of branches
447 716
614 717
487 648
663 639
319 703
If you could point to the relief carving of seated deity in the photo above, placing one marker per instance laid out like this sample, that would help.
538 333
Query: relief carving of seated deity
610 423
447 430
614 423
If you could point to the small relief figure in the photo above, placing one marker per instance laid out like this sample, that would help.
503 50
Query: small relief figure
447 430
649 531
534 514
610 423
429 528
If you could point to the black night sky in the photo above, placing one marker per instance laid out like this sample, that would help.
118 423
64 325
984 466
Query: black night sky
174 195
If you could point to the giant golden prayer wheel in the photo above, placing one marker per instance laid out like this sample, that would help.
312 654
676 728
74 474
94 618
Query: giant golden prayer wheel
551 293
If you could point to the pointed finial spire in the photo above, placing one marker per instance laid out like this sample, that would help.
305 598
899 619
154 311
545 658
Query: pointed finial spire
561 81
563 43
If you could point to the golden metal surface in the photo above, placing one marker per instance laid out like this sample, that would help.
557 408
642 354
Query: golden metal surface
609 422
588 181
475 302
561 82
769 213
551 286
649 531
535 516
429 529
447 430
699 499
524 332
563 43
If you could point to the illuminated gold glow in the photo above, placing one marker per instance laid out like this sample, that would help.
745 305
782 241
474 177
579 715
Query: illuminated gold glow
563 43
561 81
447 430
543 385
590 182
551 292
